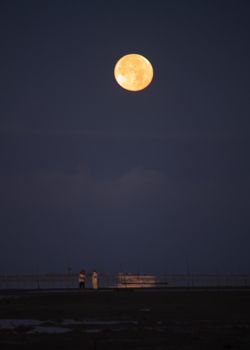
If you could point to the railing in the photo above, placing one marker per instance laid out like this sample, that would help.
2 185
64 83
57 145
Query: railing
125 280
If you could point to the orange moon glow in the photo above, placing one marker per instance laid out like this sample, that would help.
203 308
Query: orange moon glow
133 72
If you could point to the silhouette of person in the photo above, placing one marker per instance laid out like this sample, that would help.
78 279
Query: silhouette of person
95 280
82 279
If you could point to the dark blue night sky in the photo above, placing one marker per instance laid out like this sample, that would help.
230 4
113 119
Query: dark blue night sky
93 176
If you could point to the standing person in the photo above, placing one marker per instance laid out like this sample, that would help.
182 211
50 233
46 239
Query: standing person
82 279
95 280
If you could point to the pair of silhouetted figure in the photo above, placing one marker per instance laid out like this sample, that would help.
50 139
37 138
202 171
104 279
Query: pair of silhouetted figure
94 279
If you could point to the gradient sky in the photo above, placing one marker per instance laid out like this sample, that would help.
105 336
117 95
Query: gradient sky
93 176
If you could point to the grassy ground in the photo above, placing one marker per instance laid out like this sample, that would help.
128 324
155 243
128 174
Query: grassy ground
126 319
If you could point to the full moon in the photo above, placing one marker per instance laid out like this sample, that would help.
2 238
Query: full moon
133 72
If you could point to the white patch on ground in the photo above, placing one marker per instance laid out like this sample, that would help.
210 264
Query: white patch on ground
36 325
49 330
14 323
93 330
56 327
69 322
107 323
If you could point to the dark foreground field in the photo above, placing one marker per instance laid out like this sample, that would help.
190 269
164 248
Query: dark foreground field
125 319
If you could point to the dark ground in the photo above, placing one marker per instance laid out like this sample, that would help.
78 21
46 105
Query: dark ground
153 319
